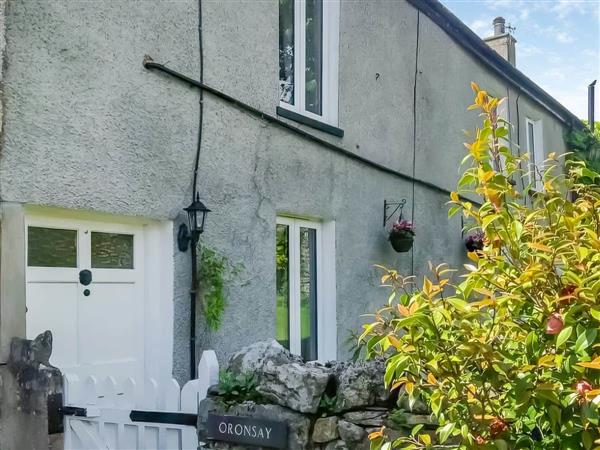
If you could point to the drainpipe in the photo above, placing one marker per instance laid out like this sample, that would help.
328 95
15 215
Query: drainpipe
591 101
194 245
193 297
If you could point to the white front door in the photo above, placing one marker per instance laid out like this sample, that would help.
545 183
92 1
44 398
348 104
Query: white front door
85 283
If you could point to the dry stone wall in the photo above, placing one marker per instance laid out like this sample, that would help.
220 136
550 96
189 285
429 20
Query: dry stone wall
292 391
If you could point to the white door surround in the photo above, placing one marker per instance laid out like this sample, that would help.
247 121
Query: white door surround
119 325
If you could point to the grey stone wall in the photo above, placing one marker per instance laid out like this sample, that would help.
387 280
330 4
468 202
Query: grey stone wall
323 406
26 382
86 127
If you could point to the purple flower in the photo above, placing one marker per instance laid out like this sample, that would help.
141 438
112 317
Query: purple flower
475 241
403 228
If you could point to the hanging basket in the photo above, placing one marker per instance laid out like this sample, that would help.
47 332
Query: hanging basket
473 246
475 241
401 244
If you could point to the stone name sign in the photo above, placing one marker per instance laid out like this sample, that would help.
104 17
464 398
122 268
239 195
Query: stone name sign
247 430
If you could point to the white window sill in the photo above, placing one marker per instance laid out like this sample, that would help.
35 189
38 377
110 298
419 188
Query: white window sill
318 125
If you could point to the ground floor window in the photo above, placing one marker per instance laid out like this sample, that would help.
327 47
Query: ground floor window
298 271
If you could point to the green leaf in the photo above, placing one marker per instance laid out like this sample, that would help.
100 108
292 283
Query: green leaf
453 210
501 444
549 396
419 319
459 304
587 440
585 339
435 402
595 312
570 443
524 442
445 431
464 431
416 429
555 416
532 345
563 336
487 220
395 366
517 229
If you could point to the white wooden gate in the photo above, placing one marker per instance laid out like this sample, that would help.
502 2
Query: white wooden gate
103 411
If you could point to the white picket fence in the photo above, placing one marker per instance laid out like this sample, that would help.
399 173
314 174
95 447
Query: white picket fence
108 404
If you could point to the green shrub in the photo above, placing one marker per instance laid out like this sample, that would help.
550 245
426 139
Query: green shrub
585 146
237 388
508 355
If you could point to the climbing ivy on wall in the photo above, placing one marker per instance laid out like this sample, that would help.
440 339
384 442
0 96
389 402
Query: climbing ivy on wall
214 269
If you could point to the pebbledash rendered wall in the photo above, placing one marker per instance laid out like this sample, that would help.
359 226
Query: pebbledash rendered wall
87 127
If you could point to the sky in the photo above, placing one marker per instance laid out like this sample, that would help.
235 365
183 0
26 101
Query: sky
558 42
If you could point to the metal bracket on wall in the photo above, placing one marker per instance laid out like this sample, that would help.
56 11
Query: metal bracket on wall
387 205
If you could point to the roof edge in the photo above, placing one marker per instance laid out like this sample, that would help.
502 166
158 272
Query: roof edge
466 38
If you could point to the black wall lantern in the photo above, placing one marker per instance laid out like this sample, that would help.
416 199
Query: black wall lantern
196 216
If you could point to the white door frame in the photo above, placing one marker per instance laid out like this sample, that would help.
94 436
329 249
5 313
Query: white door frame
157 265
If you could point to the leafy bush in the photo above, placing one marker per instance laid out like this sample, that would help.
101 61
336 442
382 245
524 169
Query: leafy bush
237 388
214 270
507 356
585 146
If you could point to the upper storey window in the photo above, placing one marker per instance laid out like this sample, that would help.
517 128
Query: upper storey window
535 148
308 58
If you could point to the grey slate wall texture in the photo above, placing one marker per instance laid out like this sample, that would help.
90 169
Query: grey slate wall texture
87 127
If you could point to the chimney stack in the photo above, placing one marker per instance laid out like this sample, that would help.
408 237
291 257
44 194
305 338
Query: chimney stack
499 26
502 42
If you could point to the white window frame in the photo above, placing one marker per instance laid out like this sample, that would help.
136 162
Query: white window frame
329 93
536 154
326 297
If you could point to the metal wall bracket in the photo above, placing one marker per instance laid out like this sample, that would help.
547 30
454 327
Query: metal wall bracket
387 205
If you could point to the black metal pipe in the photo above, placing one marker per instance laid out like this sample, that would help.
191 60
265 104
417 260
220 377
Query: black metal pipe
193 244
151 65
193 298
591 101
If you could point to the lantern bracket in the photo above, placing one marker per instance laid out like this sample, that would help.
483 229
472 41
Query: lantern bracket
183 237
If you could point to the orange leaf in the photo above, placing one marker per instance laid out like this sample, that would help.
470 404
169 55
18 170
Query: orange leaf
413 308
376 434
404 310
538 246
592 393
427 286
484 417
473 256
590 365
431 378
394 341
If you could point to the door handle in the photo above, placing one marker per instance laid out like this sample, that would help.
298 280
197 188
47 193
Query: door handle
85 277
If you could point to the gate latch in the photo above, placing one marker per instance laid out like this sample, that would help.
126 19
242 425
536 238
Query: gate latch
57 412
73 411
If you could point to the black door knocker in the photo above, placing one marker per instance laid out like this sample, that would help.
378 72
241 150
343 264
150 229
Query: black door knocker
85 277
